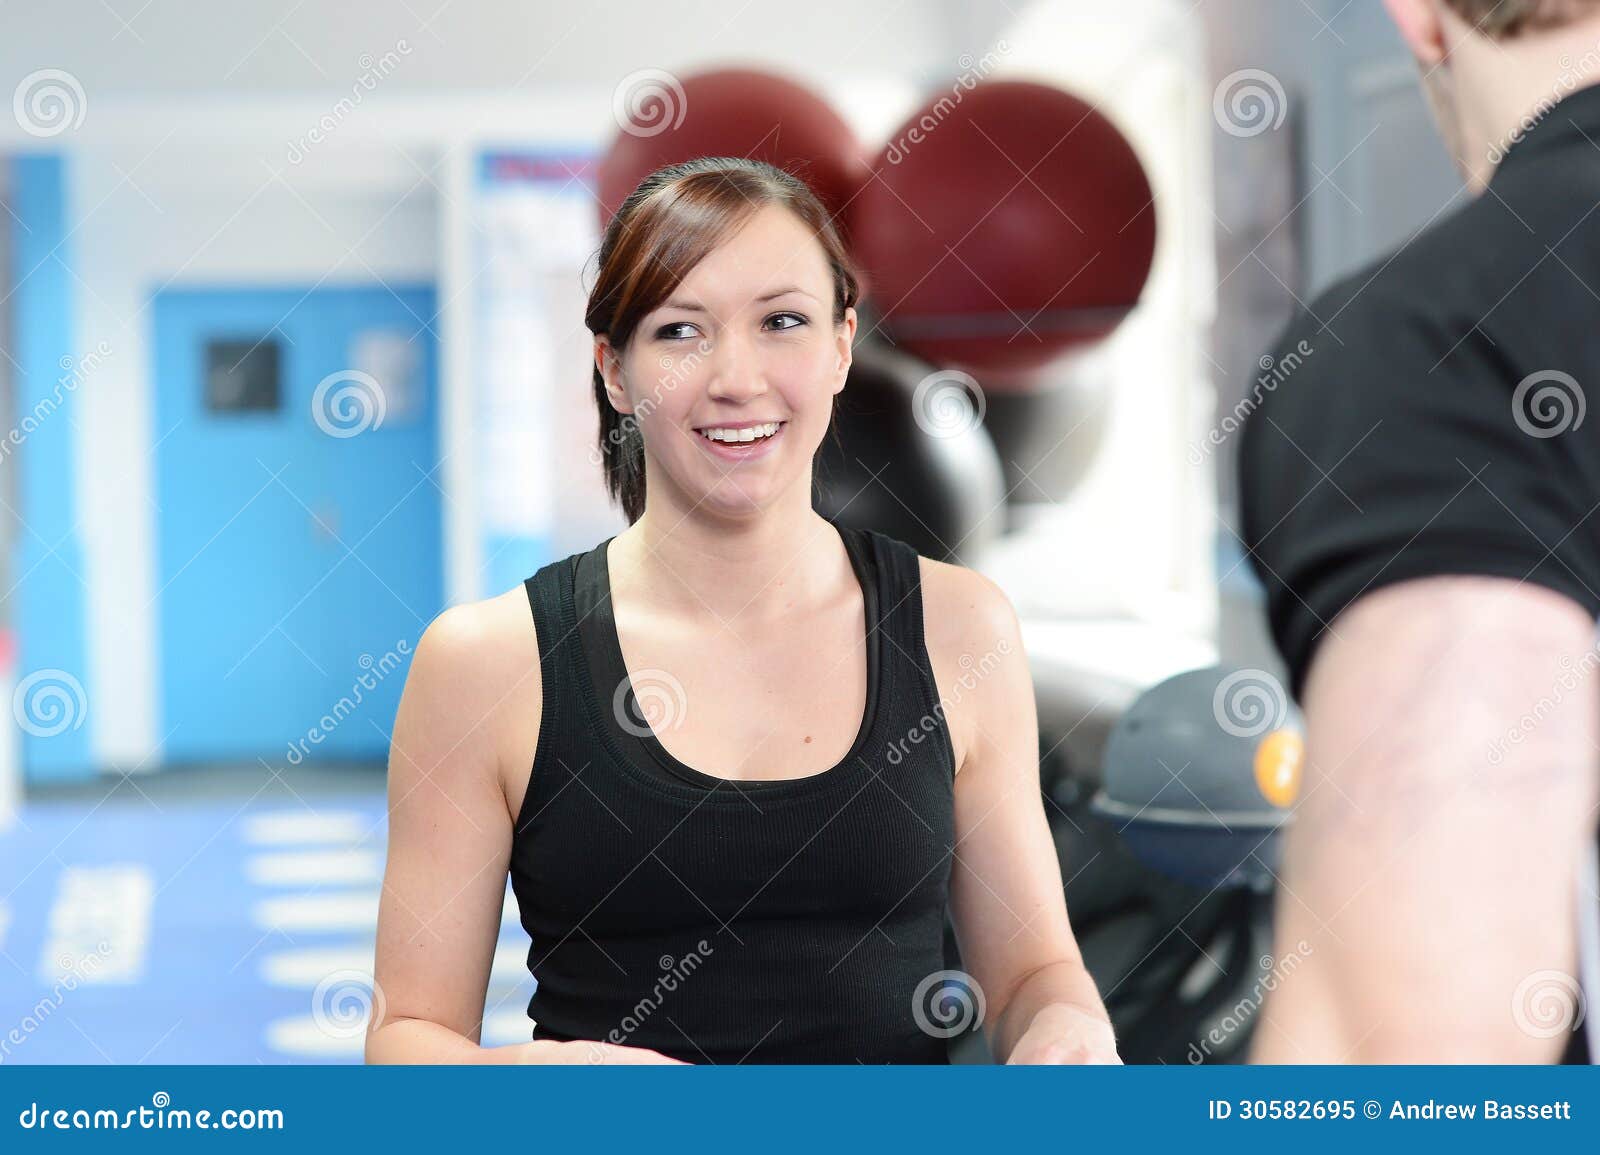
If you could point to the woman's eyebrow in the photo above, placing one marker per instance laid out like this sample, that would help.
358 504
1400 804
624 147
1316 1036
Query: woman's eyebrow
692 307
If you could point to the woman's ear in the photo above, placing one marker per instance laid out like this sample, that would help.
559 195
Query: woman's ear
846 331
609 363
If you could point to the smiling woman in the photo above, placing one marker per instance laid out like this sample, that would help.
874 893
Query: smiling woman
664 304
693 764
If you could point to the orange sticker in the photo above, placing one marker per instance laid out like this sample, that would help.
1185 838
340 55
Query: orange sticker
1279 760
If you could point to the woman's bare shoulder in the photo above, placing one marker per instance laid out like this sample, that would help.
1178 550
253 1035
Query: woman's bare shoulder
968 624
477 666
484 640
960 605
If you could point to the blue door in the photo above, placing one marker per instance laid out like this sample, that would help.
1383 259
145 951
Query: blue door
299 532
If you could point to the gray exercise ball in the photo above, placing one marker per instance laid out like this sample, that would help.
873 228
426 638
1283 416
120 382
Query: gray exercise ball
1201 773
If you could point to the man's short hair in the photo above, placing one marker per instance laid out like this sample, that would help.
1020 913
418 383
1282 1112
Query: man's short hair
1503 19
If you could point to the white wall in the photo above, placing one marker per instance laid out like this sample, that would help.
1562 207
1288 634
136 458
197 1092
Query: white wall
274 47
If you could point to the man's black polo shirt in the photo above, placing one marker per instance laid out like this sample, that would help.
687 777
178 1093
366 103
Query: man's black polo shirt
1434 420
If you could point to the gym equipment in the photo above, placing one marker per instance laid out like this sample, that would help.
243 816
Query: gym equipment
1199 774
1179 968
732 112
1004 227
1171 861
909 456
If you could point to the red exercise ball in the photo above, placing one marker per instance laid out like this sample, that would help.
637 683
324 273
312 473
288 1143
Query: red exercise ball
1001 230
731 112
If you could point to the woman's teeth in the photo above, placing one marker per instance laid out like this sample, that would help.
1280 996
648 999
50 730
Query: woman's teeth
748 433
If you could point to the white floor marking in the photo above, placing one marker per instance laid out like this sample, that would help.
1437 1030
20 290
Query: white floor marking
305 967
294 827
351 910
315 867
98 930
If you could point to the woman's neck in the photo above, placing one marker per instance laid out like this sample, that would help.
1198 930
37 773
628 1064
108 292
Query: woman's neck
744 571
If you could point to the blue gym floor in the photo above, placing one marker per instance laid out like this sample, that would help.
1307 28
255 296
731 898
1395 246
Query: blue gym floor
237 927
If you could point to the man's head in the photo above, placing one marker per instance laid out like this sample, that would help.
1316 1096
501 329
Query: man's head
1491 67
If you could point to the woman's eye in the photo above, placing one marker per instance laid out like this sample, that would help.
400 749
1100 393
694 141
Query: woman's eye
671 332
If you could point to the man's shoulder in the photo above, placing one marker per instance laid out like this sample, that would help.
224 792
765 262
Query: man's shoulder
1440 271
1395 320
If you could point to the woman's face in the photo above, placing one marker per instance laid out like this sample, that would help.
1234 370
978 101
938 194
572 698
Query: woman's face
745 343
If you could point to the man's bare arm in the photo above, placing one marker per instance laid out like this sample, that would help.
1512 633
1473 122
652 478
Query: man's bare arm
1430 881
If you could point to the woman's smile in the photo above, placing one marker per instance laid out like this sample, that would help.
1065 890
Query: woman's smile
727 442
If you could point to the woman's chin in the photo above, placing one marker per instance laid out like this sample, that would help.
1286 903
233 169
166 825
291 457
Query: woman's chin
743 497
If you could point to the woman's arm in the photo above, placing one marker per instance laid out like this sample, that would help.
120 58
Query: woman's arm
449 845
1007 899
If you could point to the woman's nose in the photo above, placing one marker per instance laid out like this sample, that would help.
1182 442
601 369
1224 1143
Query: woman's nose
735 369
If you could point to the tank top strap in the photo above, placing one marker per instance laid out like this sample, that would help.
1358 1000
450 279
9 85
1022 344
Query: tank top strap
549 599
552 615
899 586
907 666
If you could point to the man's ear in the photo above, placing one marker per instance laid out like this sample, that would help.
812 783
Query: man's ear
607 361
1422 28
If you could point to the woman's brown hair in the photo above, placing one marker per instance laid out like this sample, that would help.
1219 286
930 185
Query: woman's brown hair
666 226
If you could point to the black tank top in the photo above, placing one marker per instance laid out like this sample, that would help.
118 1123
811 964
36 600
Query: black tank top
780 921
